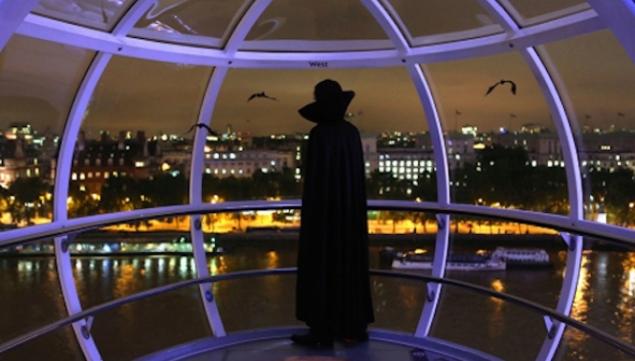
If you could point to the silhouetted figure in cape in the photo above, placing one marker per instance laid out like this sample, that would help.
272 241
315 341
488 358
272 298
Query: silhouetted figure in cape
333 283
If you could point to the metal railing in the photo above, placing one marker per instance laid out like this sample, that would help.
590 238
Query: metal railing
609 233
544 311
83 318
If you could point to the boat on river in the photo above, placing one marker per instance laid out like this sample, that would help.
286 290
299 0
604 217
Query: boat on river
420 260
500 259
523 257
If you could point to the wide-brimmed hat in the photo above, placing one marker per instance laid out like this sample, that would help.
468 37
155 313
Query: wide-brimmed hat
330 102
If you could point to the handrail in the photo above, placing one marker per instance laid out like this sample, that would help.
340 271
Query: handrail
590 330
610 233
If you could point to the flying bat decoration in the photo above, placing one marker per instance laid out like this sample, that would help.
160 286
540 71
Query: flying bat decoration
502 82
260 95
202 125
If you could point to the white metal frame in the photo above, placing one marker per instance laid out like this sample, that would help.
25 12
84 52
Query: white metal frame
60 195
196 198
12 14
576 201
78 36
198 161
62 180
620 235
619 16
396 35
442 242
555 330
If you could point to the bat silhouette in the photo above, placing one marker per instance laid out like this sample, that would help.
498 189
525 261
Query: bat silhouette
201 125
502 82
620 114
512 115
260 95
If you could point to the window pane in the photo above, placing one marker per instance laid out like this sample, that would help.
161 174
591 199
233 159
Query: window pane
488 324
28 277
437 21
599 78
530 12
124 259
99 14
134 143
502 148
38 82
316 25
198 22
259 152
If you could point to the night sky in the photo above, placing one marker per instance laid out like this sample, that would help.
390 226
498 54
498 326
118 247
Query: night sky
38 81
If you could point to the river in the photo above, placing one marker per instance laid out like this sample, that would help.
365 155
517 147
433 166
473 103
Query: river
31 298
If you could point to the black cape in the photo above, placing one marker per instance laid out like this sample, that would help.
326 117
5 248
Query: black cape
333 284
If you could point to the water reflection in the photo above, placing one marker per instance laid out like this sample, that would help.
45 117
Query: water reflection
125 280
183 267
580 302
497 317
605 298
498 286
272 259
217 265
626 303
605 292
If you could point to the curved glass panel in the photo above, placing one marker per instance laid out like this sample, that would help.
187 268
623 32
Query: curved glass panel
535 257
136 140
502 148
438 21
488 324
326 25
605 298
198 22
143 327
61 343
34 105
98 14
577 345
258 153
28 277
530 12
599 77
124 259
